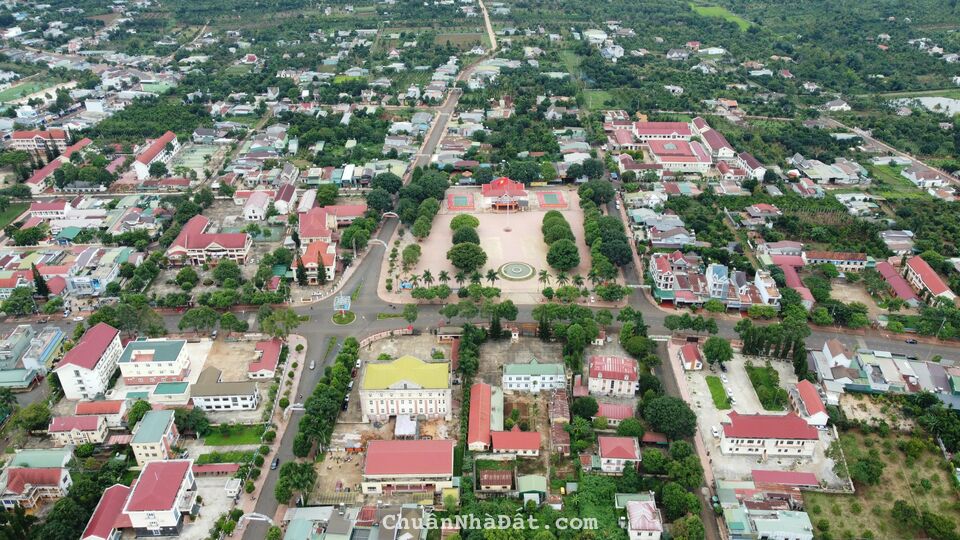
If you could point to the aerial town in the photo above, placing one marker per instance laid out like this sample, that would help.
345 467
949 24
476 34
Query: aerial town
473 270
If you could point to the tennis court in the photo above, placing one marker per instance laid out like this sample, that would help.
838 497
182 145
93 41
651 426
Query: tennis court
460 202
551 199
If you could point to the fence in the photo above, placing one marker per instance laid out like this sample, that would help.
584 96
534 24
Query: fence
385 334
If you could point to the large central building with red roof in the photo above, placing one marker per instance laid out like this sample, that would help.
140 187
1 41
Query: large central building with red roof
926 281
85 371
408 466
165 491
195 246
154 152
768 435
613 376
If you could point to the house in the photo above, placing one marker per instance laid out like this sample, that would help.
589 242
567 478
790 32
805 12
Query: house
837 105
319 261
614 413
113 411
413 465
86 369
843 261
156 151
286 198
77 430
39 141
763 211
256 207
34 476
618 453
690 358
925 281
154 437
559 439
165 491
900 287
210 393
672 238
405 386
643 520
923 177
808 189
533 377
152 361
486 415
899 242
267 354
108 519
195 246
613 376
495 480
768 435
808 404
520 443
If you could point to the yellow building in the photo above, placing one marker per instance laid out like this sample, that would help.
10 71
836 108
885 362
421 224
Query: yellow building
405 386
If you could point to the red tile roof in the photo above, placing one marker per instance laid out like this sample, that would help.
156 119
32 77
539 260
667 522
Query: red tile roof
930 279
900 287
786 478
56 205
691 355
50 134
676 151
157 486
613 367
155 147
681 129
83 143
42 173
346 210
515 440
614 411
109 514
59 424
90 349
269 356
835 256
619 447
651 437
56 284
479 430
193 235
496 478
99 407
395 457
749 160
769 426
811 399
20 477
313 223
503 186
318 251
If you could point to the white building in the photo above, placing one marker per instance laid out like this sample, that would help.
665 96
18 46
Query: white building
613 376
164 493
156 151
533 377
86 369
643 520
153 361
77 430
212 394
405 386
617 453
768 435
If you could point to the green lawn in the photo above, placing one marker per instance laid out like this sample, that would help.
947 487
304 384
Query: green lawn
382 316
346 317
25 89
722 13
889 184
233 456
236 435
717 392
766 382
11 213
596 99
571 60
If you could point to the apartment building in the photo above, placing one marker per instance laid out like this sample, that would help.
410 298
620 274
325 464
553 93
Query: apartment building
86 369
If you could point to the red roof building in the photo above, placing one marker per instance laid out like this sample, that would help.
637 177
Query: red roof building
194 245
59 424
925 280
494 480
614 412
216 469
785 478
39 140
27 486
108 517
808 404
319 257
265 366
680 156
85 370
503 187
411 465
646 131
114 406
616 453
91 347
478 433
163 493
149 154
613 367
768 435
690 357
521 443
898 285
313 226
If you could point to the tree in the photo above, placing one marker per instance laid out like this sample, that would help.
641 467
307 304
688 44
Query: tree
410 256
137 410
327 194
187 276
585 407
671 416
464 220
389 182
867 470
630 427
19 303
678 502
34 416
302 278
466 234
231 323
158 169
421 227
714 306
688 528
380 200
192 421
200 318
275 533
717 350
281 323
467 257
410 313
820 316
563 255
39 284
227 269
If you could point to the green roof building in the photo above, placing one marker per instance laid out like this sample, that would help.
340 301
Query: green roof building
42 458
533 377
154 437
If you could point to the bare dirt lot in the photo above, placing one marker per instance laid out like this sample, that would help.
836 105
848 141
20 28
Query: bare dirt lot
854 292
232 358
494 354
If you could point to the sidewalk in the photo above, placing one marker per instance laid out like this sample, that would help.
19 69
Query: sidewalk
248 501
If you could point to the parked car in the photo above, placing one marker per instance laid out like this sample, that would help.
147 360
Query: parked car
716 432
910 341
313 364
723 378
275 464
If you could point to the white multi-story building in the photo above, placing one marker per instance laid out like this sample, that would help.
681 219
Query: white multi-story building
768 435
86 369
613 376
153 361
533 377
77 430
156 151
211 394
405 386
164 492
154 437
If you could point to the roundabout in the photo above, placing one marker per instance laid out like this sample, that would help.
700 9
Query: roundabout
344 317
516 271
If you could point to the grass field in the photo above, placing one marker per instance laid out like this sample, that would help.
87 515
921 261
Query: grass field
596 99
766 382
571 61
345 78
11 213
721 13
237 70
947 93
888 183
717 392
237 435
25 89
464 41
920 481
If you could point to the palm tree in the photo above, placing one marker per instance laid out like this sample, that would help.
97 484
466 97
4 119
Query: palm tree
578 281
562 278
492 276
415 280
443 276
544 277
476 277
460 277
427 277
593 277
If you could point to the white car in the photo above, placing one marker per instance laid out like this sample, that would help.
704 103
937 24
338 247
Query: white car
313 364
716 432
78 318
723 378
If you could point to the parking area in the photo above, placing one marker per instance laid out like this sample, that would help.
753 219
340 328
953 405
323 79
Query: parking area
215 503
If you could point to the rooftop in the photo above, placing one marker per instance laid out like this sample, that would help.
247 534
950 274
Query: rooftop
88 351
769 426
409 457
158 485
533 368
404 370
152 350
152 427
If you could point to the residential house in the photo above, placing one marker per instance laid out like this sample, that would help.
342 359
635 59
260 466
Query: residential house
405 386
837 105
211 393
618 453
77 430
614 412
413 465
644 521
519 443
533 377
768 435
924 177
154 437
613 376
113 411
690 358
86 369
256 206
